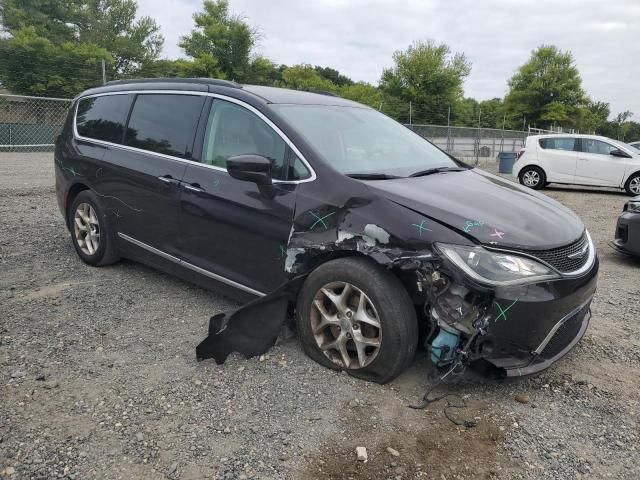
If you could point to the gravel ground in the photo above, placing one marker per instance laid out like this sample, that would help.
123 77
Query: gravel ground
99 379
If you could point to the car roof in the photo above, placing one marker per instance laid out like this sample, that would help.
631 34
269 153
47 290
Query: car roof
271 95
573 135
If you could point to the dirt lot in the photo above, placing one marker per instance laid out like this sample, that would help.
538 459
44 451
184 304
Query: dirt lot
99 379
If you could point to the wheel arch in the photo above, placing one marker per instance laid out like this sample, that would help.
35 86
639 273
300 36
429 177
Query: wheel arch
536 165
71 195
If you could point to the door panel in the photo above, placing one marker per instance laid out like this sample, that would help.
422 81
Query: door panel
141 205
234 228
558 158
597 167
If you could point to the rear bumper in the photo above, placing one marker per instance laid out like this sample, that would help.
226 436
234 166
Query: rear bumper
541 323
627 236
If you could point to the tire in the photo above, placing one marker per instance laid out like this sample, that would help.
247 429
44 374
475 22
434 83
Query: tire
529 175
632 186
385 301
86 215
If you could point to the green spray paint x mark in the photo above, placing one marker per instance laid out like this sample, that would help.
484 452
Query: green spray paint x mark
421 227
320 220
503 312
283 251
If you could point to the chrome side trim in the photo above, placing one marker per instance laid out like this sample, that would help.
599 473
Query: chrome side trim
190 266
252 109
555 328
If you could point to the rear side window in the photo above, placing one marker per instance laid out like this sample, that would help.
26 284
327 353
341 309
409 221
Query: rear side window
567 144
103 118
164 123
596 146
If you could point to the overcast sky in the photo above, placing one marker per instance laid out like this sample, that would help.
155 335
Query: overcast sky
358 37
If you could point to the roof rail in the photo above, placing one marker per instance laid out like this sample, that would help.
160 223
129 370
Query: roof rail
207 81
325 92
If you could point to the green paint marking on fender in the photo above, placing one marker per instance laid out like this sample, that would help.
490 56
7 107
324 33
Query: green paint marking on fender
503 312
320 220
421 228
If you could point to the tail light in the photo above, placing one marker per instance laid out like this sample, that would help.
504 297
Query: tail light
520 154
56 139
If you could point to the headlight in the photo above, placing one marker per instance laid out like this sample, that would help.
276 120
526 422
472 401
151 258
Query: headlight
633 207
495 268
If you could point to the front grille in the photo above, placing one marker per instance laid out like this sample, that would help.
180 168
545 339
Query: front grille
564 335
559 259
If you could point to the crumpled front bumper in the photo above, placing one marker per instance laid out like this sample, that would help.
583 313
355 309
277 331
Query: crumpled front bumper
627 237
535 325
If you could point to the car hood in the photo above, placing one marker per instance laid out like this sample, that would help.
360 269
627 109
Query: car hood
487 208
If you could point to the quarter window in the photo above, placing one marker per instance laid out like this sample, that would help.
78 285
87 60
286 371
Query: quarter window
233 130
164 123
103 118
596 146
567 144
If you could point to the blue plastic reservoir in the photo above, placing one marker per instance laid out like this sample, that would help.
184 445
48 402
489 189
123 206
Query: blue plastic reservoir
444 346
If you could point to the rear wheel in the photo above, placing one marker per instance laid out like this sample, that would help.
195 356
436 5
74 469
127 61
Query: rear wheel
356 316
533 177
89 232
633 184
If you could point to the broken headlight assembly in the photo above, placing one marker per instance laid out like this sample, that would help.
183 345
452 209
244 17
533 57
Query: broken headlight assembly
496 268
633 207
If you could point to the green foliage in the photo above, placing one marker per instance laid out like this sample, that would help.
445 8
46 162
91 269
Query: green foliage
429 76
362 92
224 37
54 47
305 77
33 65
333 76
547 90
112 24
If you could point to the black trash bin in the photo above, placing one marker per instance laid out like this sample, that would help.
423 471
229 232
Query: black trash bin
506 161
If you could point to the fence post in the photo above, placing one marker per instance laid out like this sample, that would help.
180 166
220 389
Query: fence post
478 138
409 113
449 143
104 73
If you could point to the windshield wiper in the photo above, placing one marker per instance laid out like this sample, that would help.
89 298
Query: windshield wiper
372 176
430 171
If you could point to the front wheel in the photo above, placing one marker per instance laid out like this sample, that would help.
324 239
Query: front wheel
356 316
533 177
633 184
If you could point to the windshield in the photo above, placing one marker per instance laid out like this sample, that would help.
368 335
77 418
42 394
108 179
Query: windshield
361 140
636 145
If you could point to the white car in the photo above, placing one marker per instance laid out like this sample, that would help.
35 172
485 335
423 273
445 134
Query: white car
578 160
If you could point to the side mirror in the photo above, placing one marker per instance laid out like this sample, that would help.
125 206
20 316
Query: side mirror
252 168
619 153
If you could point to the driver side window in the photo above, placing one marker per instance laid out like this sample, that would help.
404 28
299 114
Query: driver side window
233 130
596 146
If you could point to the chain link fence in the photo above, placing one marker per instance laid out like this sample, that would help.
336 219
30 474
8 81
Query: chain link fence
28 126
472 145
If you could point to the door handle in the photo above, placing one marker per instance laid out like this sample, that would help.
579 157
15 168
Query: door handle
168 179
193 187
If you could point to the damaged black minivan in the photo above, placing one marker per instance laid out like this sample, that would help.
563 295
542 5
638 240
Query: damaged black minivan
314 206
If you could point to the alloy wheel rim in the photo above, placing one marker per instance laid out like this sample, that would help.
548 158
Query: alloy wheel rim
531 178
346 325
634 185
86 229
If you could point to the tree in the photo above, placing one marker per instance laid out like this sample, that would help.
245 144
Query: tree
547 90
428 75
305 77
225 37
53 47
112 25
362 92
334 76
592 116
33 65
